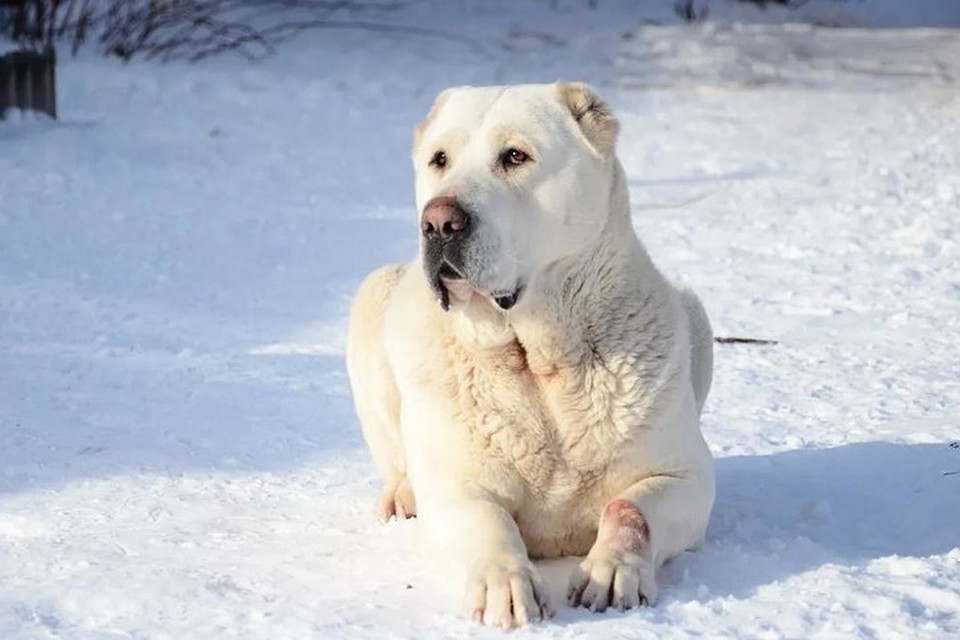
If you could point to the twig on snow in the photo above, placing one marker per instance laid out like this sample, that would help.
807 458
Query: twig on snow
732 340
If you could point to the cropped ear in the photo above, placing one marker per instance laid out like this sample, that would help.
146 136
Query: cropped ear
596 120
419 130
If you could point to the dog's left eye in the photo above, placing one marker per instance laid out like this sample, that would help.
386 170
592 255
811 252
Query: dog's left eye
513 158
439 160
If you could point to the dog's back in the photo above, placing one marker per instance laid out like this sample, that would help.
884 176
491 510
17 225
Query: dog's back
701 346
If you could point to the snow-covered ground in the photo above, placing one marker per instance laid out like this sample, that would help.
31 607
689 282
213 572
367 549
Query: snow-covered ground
178 452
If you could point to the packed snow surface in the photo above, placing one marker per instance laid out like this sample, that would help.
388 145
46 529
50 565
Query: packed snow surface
179 456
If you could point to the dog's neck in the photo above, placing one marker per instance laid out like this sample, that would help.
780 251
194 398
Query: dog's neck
610 266
566 302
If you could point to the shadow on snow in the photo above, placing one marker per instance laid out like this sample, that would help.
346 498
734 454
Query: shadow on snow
783 514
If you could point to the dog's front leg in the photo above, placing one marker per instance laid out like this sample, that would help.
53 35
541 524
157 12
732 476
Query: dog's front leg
503 588
654 520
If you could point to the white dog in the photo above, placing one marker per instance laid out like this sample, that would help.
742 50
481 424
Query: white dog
530 385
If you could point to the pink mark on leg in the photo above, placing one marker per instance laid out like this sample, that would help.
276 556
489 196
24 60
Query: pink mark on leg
623 527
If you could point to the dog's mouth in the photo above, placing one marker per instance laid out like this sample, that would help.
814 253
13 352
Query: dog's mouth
448 272
506 300
450 283
446 280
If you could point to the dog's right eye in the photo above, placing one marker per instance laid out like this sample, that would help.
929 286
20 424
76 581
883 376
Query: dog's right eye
439 160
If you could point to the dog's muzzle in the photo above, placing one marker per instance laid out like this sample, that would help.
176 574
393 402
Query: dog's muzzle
446 227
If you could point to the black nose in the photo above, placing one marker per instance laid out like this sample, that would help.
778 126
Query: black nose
443 219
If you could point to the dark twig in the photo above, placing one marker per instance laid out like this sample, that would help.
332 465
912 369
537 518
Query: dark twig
730 340
288 29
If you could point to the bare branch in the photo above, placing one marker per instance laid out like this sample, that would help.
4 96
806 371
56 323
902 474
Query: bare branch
194 29
732 340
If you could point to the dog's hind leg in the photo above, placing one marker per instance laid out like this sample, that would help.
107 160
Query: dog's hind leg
375 392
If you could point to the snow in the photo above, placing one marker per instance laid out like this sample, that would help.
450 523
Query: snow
178 452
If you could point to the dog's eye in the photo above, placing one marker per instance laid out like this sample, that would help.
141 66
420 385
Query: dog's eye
439 160
513 158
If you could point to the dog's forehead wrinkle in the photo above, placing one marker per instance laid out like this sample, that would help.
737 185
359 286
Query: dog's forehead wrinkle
462 114
469 105
475 109
492 104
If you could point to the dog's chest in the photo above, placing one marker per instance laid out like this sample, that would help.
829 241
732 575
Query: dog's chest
549 435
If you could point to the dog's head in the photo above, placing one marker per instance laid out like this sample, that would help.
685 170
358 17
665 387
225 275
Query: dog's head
510 180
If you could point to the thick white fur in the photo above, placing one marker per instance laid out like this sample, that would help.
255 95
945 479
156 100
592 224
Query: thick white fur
515 428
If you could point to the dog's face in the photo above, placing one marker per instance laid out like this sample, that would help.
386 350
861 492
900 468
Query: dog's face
509 180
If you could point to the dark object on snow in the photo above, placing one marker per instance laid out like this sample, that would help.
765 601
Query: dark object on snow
725 340
28 81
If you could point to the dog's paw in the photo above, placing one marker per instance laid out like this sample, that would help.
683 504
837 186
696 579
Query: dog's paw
397 501
612 579
506 594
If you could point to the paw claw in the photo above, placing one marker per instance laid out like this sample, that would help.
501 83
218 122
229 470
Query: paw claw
611 580
397 501
507 596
